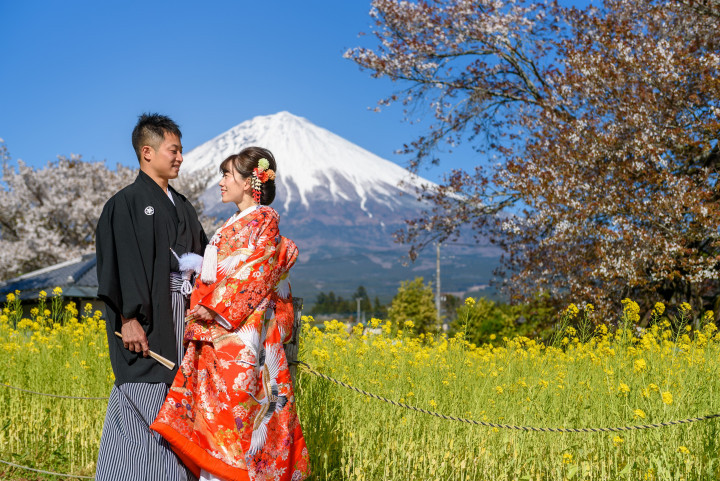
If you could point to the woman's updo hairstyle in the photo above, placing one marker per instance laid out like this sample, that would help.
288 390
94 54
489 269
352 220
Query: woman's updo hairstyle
245 162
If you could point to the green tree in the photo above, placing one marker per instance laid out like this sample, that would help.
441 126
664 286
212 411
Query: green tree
361 293
483 320
414 302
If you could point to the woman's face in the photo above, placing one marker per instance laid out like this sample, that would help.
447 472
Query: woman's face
234 188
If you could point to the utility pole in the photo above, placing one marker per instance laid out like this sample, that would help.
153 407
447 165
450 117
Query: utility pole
358 299
437 284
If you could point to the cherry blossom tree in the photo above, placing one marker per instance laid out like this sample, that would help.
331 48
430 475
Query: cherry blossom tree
596 132
49 214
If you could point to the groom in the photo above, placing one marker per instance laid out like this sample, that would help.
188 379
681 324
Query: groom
145 234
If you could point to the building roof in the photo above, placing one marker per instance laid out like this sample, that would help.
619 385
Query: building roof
77 278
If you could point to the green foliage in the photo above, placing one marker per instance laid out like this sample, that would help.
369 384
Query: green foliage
613 379
484 320
414 302
667 374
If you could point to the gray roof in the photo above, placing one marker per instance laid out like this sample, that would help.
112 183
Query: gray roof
77 278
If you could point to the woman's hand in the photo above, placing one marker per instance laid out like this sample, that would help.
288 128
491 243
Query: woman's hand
202 313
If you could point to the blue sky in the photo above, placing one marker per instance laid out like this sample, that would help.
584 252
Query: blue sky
74 75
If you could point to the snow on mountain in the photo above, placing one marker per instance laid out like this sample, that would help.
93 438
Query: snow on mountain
338 202
313 163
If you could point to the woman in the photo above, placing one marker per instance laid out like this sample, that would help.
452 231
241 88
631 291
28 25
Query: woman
230 413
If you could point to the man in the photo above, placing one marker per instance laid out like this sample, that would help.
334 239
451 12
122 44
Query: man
145 234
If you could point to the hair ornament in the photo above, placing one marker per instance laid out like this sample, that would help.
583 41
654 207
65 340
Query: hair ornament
261 174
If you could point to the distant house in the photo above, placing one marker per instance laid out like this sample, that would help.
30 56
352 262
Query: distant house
77 278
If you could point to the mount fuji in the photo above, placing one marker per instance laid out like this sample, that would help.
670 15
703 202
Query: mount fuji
340 204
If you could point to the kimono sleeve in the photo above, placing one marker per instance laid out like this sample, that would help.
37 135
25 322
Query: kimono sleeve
250 285
122 281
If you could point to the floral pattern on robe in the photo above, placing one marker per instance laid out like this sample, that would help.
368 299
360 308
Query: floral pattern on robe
231 408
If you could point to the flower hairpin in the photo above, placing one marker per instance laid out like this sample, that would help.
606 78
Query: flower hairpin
261 174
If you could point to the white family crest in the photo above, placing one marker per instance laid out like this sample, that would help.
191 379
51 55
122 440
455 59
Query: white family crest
149 210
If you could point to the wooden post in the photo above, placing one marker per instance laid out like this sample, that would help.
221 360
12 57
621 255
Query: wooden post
292 347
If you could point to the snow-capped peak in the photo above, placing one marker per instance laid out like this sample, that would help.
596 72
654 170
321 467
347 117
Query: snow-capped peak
312 162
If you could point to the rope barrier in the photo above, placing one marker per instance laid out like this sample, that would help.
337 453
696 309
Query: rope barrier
50 395
504 426
52 473
398 404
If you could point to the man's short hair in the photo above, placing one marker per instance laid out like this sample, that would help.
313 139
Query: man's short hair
150 130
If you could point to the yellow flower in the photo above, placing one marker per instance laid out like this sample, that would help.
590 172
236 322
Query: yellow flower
498 389
34 311
685 307
624 388
433 404
571 311
640 365
667 397
653 387
57 291
589 308
709 315
631 310
659 308
684 450
493 337
10 297
409 324
470 302
640 413
567 458
617 441
42 295
46 312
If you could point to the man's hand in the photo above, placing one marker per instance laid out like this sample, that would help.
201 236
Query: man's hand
134 337
202 313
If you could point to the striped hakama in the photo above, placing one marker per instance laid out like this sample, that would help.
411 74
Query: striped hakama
129 450
180 289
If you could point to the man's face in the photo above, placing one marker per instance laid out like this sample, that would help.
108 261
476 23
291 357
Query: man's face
164 161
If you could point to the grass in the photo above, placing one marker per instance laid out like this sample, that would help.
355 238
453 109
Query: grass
586 377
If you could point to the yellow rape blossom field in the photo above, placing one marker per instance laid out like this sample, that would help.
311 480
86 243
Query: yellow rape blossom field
587 376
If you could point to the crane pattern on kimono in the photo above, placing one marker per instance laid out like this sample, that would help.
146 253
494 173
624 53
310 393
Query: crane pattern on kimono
254 341
230 263
272 402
